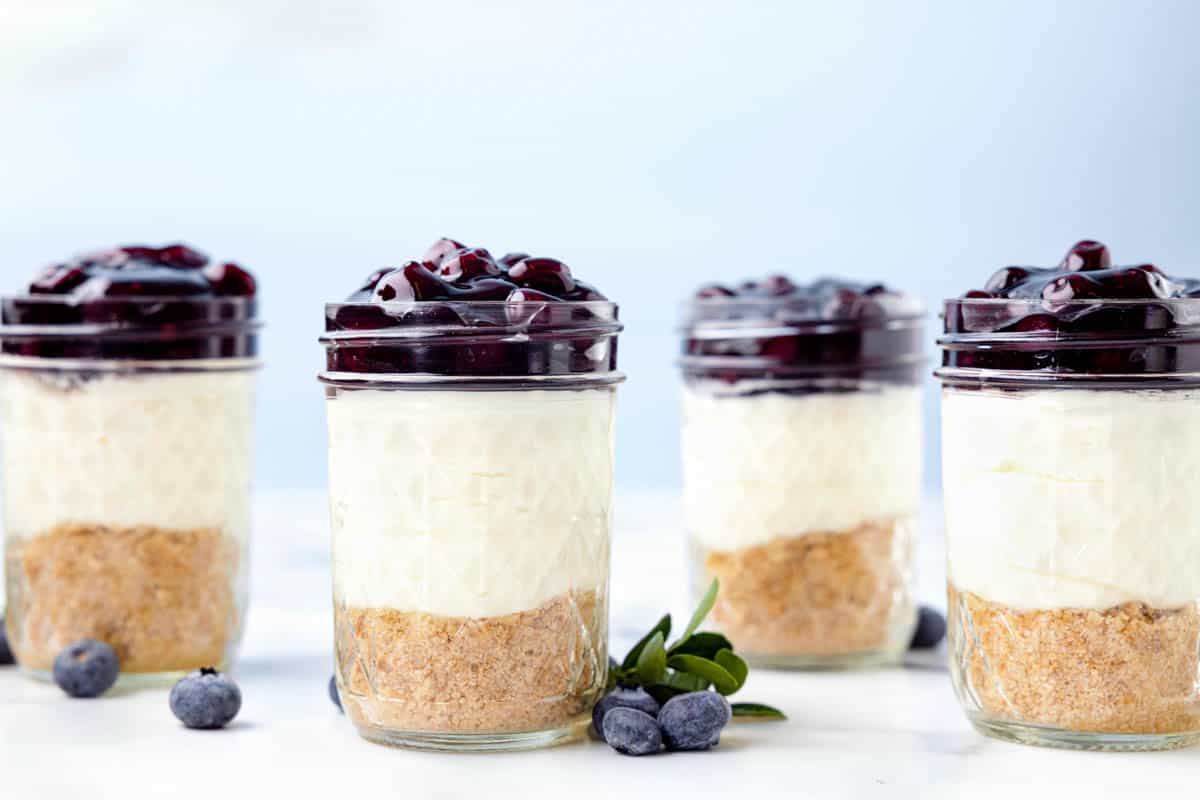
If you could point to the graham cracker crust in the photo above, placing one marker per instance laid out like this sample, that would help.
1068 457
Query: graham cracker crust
530 671
164 600
1126 669
814 595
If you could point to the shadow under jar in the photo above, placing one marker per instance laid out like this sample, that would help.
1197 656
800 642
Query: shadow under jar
470 479
801 446
128 433
1071 442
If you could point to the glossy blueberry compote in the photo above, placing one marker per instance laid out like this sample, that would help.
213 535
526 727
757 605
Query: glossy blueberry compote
460 311
134 301
776 327
1083 315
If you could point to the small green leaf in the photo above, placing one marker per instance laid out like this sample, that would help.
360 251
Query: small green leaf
756 711
706 604
721 680
652 661
704 644
685 682
734 665
663 627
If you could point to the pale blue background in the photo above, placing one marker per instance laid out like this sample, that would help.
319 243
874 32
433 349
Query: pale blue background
651 145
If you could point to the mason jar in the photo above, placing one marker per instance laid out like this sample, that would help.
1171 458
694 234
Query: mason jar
127 430
1070 443
801 447
470 483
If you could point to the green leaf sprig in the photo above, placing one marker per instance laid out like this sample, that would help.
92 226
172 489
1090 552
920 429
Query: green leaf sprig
695 662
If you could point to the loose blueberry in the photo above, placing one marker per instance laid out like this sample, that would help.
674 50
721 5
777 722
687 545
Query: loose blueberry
205 699
620 697
931 629
333 692
6 655
86 668
694 721
632 732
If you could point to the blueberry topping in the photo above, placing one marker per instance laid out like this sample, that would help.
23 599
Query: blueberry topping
517 291
544 274
635 697
6 655
86 668
230 280
693 721
175 270
205 699
930 630
1086 255
468 263
333 693
632 732
439 250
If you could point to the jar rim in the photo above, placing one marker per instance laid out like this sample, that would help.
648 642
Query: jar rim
799 309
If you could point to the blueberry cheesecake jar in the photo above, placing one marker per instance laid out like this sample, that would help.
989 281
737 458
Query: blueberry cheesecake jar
126 408
1071 440
470 407
801 445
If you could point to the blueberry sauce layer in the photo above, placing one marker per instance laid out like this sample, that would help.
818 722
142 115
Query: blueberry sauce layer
134 302
1084 316
461 312
778 329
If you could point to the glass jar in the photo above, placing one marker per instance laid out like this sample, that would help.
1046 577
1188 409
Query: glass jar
470 481
1070 442
128 436
801 446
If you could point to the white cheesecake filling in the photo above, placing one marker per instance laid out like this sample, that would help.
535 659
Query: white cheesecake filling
759 467
469 504
170 450
1073 498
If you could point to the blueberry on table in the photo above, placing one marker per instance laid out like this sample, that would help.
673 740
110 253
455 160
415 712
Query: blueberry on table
621 697
86 668
632 732
931 628
333 692
6 656
694 721
206 699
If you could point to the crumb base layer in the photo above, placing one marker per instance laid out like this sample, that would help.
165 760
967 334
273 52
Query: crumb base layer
820 600
165 600
521 680
1123 678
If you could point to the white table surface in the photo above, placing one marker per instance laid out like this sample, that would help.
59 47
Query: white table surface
880 733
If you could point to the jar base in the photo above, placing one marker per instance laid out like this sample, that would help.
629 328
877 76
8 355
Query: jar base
473 742
1045 736
866 659
126 681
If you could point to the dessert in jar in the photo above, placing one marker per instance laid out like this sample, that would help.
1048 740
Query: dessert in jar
470 412
126 409
1071 440
801 446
